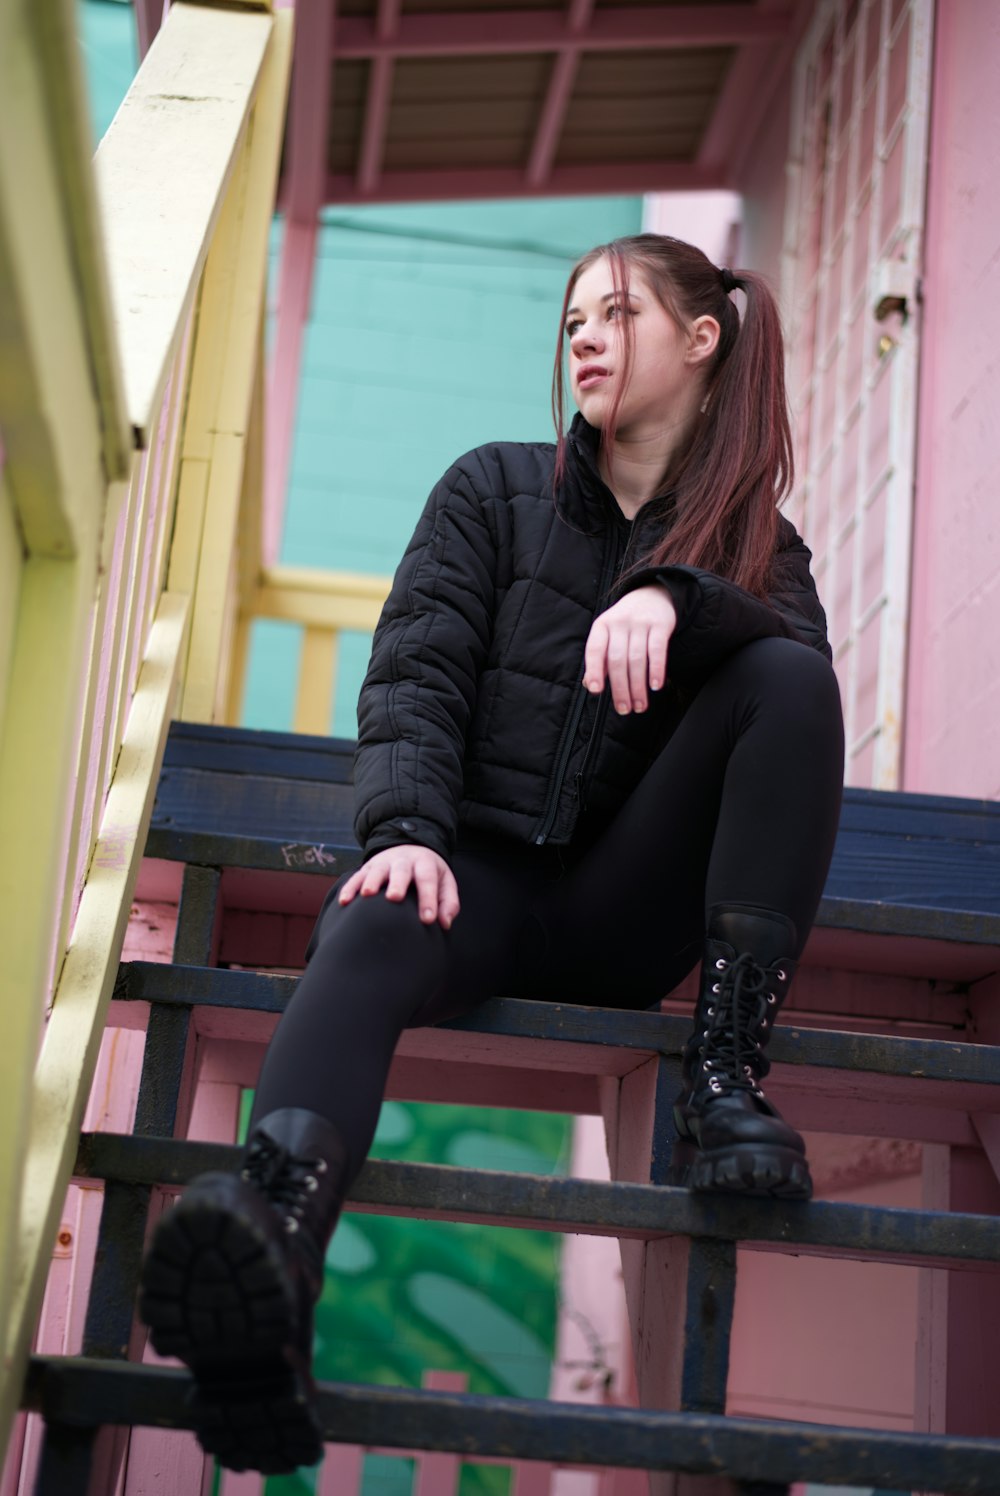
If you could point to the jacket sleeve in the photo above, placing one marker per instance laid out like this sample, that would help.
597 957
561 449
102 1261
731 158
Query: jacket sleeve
418 695
715 617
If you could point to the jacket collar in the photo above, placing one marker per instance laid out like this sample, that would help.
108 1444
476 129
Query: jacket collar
585 494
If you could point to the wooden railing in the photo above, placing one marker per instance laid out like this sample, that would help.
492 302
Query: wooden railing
324 603
131 347
435 1472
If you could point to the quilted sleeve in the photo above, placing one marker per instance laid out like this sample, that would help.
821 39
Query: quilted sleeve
715 617
418 695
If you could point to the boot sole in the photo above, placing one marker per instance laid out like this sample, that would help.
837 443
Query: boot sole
768 1173
214 1294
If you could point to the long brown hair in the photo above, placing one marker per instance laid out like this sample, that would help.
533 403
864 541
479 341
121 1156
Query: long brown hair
724 489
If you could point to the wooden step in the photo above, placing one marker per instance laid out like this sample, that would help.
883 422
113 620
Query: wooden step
589 1207
555 1056
914 885
559 1024
91 1393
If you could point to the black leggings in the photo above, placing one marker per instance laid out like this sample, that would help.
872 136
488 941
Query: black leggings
741 806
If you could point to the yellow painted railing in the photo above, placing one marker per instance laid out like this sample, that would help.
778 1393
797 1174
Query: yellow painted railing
132 289
324 603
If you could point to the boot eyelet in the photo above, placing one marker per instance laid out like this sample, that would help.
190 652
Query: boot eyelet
781 976
747 1070
320 1166
714 1085
711 1012
717 987
721 965
291 1225
705 1034
771 997
312 1184
245 1175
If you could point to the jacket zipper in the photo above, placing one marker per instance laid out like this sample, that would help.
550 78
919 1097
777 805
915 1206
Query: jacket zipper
595 735
573 721
602 709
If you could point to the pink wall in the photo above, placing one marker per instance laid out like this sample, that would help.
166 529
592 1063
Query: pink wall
952 733
826 1339
763 187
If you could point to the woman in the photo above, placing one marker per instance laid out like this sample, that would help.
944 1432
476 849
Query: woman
600 739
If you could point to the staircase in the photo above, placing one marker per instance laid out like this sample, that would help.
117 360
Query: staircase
908 936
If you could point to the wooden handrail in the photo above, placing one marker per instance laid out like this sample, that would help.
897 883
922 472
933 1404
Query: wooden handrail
123 477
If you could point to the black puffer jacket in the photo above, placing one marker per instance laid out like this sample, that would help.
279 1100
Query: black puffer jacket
473 710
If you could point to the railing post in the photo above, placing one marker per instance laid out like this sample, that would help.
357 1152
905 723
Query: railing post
679 1290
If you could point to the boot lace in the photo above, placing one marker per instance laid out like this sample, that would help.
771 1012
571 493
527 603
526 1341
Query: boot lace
286 1179
738 1023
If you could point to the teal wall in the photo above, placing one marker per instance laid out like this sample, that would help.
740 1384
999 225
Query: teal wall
107 35
432 329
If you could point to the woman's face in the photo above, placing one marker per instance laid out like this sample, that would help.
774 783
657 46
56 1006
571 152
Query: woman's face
668 362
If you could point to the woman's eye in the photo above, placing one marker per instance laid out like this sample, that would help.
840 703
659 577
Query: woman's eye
571 328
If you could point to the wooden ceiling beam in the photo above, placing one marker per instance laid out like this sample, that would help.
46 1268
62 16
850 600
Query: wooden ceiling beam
737 112
378 99
446 184
773 70
557 98
309 109
626 28
732 106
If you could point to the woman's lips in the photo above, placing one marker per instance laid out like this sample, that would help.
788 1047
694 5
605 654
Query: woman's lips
590 375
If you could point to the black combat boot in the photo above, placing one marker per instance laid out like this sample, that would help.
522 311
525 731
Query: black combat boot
229 1285
732 1138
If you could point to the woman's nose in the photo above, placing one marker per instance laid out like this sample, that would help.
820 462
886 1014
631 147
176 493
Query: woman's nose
587 339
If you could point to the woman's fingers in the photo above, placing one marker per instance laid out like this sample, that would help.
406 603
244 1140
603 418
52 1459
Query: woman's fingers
427 877
350 887
400 877
627 646
595 656
360 882
638 667
618 683
657 647
375 874
395 869
448 904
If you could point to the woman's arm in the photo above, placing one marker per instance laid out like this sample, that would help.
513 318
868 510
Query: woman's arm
418 695
715 617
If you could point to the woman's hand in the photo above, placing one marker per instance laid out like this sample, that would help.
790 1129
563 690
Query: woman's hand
628 644
395 869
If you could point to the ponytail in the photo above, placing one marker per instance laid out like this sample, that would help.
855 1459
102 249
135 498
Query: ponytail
719 508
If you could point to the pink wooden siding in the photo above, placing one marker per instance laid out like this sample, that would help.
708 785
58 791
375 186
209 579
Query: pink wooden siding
852 238
953 715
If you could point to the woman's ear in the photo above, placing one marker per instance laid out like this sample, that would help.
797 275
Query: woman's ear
703 339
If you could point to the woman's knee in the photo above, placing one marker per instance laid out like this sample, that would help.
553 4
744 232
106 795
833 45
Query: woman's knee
377 930
790 671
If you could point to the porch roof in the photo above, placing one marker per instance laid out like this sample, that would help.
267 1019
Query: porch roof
396 100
